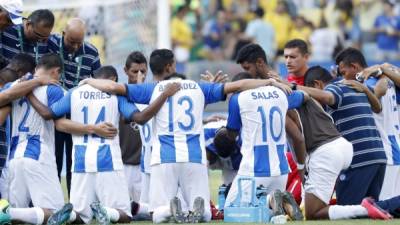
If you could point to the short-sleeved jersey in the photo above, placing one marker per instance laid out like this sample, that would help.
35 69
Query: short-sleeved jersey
354 120
178 134
146 136
89 105
232 162
387 122
32 136
259 114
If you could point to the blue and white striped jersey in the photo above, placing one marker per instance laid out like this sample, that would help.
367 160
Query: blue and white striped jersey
145 134
387 122
259 114
354 120
88 105
32 136
232 162
178 134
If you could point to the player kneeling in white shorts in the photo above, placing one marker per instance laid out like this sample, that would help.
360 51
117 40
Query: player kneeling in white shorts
328 154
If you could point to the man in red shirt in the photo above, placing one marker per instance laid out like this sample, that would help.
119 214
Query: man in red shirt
296 58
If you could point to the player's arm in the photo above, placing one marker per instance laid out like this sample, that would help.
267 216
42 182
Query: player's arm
245 84
23 88
373 100
4 112
106 85
392 72
292 126
106 130
151 110
324 97
39 107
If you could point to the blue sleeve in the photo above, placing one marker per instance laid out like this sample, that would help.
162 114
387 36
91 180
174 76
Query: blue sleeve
213 92
140 93
337 93
371 83
54 93
62 107
126 108
234 120
295 99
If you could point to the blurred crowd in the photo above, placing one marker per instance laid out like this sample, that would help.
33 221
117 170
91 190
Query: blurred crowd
216 30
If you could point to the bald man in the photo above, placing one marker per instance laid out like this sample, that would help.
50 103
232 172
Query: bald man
80 60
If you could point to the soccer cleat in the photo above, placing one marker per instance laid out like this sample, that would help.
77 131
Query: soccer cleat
100 213
176 210
61 216
198 211
276 203
374 211
291 208
5 218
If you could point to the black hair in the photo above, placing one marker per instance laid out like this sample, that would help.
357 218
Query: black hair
106 72
250 53
135 57
389 3
175 75
351 55
44 16
159 59
224 144
241 76
316 73
8 75
298 43
23 63
259 12
49 61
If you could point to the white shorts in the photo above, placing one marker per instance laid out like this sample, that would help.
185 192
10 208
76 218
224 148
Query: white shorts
109 188
144 194
133 180
4 183
33 181
270 183
391 182
324 166
191 178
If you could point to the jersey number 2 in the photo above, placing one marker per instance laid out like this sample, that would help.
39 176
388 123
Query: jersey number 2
22 127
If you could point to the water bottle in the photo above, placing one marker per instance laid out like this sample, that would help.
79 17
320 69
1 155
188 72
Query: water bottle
262 195
221 197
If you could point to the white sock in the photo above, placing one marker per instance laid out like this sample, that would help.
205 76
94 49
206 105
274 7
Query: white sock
112 213
161 214
143 208
337 212
33 215
72 216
